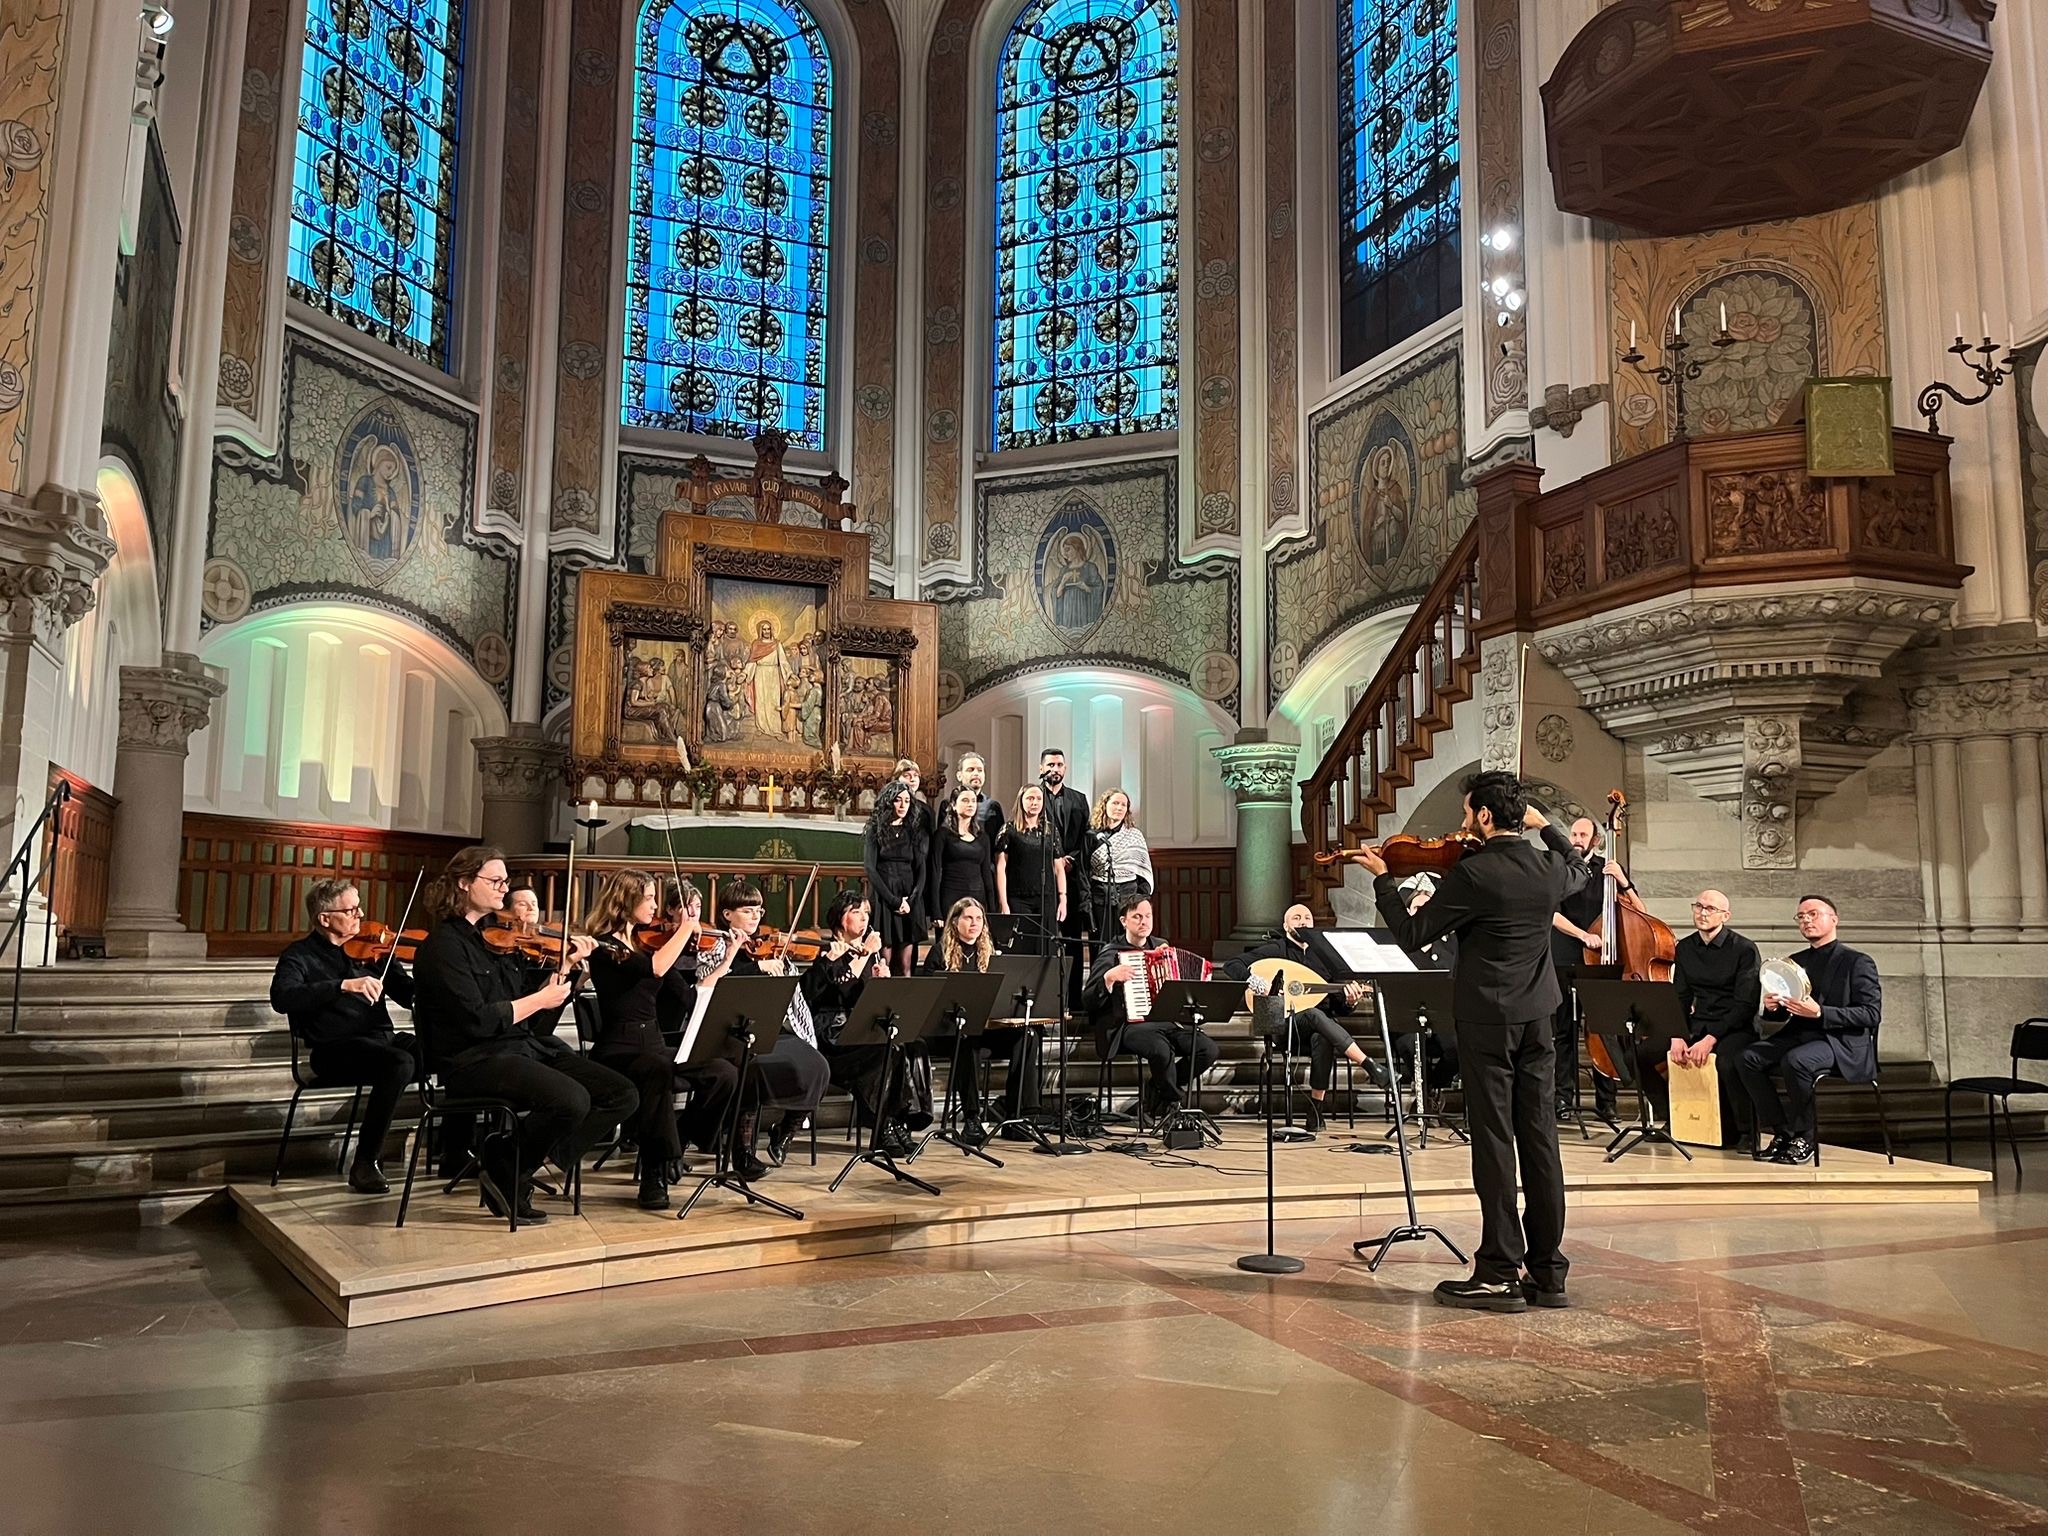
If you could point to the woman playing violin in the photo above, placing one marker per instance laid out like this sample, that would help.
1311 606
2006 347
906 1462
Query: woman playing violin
334 998
832 985
488 1021
630 980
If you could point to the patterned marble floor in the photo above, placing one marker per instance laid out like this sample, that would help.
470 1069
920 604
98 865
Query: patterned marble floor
1763 1369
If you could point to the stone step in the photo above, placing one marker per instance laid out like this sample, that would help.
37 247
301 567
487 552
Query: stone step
25 1126
143 1048
118 980
120 1083
148 1015
166 1167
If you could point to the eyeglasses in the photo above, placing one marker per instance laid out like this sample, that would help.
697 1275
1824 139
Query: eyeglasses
500 881
1707 906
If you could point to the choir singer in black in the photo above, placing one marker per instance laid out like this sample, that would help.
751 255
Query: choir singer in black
1499 901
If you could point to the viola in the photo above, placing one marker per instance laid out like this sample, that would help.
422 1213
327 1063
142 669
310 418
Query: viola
1405 854
373 944
654 936
1644 947
543 945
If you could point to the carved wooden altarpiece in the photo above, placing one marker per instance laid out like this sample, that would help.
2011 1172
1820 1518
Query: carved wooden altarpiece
751 652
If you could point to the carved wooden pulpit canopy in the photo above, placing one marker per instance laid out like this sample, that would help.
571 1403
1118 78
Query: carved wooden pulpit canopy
752 652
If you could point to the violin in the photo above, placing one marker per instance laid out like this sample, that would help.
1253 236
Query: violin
374 943
543 945
1405 854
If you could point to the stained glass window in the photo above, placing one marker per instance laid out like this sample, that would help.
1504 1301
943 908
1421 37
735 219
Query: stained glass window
1397 185
373 179
1087 306
729 231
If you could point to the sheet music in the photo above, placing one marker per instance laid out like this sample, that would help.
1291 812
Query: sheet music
703 1006
1365 954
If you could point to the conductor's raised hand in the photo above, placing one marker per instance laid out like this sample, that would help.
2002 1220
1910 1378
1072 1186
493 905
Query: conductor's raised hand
1533 818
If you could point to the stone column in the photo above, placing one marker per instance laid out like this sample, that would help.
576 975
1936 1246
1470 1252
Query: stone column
160 709
1260 774
518 770
2031 836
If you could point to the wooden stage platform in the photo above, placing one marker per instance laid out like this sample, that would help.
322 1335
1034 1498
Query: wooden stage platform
452 1255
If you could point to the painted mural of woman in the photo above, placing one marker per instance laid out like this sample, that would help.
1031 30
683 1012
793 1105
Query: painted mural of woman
1079 590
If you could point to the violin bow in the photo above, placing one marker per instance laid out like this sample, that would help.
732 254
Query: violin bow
668 827
416 879
1521 705
796 912
568 904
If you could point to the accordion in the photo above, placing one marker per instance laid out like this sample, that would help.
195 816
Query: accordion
1153 968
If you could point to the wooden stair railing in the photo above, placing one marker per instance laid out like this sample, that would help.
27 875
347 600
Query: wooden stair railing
1425 676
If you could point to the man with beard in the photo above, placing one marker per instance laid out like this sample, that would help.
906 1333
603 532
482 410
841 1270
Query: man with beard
1066 810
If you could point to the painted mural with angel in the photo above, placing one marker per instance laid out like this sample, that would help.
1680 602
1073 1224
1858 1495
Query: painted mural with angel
1075 571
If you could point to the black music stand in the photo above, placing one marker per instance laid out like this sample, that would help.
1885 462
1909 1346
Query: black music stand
1569 977
891 1012
1192 1002
1045 930
1027 978
746 1013
1623 1013
1433 1018
1002 929
1408 1002
963 1012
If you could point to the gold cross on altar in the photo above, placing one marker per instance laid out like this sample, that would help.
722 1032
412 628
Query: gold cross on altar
768 794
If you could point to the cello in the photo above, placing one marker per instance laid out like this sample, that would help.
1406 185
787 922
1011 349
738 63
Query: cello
1630 937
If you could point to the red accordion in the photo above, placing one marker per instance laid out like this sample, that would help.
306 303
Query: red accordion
1151 969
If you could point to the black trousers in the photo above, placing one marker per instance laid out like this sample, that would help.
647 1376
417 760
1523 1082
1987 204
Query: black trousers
654 1126
1799 1056
1565 1032
1316 1033
858 1069
1159 1046
1511 1111
1738 1115
387 1065
568 1103
1016 1048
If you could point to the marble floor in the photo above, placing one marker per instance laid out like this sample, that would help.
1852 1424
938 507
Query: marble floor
1734 1369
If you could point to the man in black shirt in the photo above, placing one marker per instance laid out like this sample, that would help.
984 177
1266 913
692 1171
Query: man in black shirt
988 810
1066 811
336 1007
1570 937
1315 1017
1834 1030
1499 901
1159 1044
1716 977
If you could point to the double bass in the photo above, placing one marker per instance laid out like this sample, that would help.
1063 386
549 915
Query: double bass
1630 937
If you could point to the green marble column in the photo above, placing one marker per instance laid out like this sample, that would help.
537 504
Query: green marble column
1261 776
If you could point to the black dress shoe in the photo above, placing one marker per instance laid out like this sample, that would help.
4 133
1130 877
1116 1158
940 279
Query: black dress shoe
750 1167
1482 1295
1016 1130
1767 1152
653 1195
1567 1112
1792 1153
974 1133
529 1213
1312 1115
780 1135
366 1178
895 1140
1540 1296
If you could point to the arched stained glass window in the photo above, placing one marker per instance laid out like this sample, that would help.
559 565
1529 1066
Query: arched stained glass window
1087 241
1397 190
730 225
373 178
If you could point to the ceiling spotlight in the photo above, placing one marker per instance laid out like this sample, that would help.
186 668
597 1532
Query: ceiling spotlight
1502 318
1513 300
158 20
1499 287
1500 239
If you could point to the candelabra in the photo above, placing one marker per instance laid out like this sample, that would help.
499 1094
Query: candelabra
1988 373
1676 372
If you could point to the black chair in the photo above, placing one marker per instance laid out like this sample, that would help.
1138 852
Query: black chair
304 1081
2029 1043
436 1104
1876 1088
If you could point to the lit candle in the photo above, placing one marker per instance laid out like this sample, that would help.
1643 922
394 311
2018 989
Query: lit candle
1674 319
1631 335
590 811
1959 325
1724 319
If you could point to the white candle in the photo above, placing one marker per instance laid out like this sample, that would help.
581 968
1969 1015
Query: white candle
1674 320
1984 319
590 811
1959 325
1724 319
1631 335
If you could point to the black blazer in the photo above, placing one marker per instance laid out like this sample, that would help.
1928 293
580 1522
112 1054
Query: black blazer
1851 1002
306 988
1498 900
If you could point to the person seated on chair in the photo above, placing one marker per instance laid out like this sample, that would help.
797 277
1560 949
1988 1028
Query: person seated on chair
522 909
963 944
1315 1015
1439 954
832 986
1834 1030
1716 976
336 1008
629 980
1159 1043
1571 936
788 1081
488 1021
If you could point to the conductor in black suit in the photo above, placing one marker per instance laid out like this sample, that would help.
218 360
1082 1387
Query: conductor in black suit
1835 1030
1499 901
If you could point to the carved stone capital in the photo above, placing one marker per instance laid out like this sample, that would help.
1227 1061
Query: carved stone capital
1987 682
1259 772
162 706
519 766
52 551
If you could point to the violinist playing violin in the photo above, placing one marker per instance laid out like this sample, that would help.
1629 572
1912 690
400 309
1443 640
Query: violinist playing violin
336 1006
487 1017
1499 900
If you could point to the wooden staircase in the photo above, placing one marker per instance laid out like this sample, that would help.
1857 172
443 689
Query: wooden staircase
1426 675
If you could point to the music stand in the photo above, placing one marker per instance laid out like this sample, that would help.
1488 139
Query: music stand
1002 929
1623 1013
746 1012
1191 1002
1569 977
1408 1003
963 1011
1436 1021
1028 978
892 1012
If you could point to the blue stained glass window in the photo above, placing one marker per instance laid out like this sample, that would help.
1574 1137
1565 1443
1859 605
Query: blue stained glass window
373 178
1397 136
729 231
1087 243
